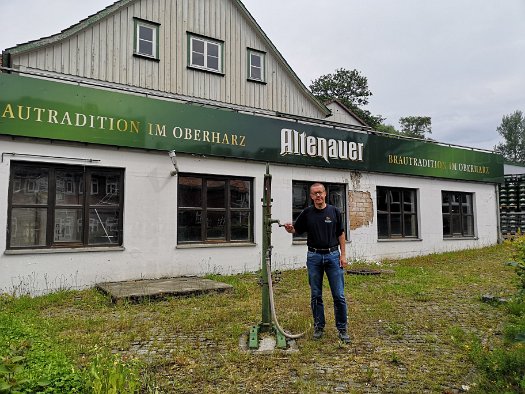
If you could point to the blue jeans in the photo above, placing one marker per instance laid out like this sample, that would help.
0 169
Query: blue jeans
317 265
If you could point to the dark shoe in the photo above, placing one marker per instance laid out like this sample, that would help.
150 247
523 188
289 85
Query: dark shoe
343 336
318 333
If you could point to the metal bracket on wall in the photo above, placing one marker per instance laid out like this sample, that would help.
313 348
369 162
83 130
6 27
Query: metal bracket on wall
48 157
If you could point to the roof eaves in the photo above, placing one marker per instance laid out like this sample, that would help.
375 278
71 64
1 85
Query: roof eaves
34 44
280 57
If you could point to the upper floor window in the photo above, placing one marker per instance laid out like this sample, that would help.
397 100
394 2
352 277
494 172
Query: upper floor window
49 206
146 39
205 53
335 195
214 209
256 65
396 213
458 214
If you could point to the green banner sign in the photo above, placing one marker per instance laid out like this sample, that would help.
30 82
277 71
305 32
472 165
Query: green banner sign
39 108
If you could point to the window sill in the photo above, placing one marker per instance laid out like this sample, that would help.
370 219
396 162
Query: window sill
399 239
65 250
206 70
460 238
218 245
143 56
256 81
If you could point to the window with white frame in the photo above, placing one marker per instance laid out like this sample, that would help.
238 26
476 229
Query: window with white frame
146 39
458 214
256 65
205 53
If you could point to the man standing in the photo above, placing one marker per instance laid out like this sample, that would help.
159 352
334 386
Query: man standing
326 236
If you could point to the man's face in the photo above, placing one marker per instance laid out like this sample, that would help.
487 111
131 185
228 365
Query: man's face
318 195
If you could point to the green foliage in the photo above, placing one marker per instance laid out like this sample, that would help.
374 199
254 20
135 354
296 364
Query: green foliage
31 358
11 368
350 88
366 116
520 271
387 129
512 129
26 367
519 265
114 375
504 366
416 126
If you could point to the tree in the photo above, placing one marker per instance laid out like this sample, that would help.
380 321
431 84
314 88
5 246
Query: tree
350 88
387 129
416 126
512 129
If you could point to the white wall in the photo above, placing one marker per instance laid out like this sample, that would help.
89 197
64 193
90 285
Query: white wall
363 242
150 231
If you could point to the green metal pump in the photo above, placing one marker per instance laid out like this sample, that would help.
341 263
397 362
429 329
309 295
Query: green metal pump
269 323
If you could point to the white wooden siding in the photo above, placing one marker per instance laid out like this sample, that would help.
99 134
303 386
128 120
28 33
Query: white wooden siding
104 51
340 115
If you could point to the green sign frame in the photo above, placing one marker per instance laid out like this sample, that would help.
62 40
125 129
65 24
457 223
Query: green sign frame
37 108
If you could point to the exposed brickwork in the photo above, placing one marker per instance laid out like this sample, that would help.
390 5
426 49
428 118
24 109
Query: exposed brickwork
361 208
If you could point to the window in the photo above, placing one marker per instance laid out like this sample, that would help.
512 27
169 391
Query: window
396 213
256 69
214 209
146 39
335 195
205 54
48 207
458 214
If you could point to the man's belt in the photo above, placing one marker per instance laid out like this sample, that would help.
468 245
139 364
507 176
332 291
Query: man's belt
323 251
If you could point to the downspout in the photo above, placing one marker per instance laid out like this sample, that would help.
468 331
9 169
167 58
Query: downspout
498 213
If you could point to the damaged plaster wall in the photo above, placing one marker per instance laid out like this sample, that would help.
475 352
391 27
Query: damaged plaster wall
360 203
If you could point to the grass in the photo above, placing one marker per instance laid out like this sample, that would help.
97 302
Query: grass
420 328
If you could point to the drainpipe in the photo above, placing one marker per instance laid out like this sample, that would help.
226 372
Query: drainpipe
498 214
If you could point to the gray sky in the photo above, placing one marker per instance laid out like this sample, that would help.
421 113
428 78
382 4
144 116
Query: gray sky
461 62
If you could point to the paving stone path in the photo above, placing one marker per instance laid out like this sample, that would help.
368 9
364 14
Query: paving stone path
385 357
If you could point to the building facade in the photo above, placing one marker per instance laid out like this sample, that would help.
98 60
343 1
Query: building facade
134 145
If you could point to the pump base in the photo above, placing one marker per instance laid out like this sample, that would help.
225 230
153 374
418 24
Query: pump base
274 339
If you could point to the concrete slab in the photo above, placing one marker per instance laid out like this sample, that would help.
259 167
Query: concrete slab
137 290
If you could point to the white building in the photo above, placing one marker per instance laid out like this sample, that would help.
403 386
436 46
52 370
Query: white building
89 193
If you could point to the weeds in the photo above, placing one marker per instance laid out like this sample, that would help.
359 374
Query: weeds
113 375
504 366
11 368
412 331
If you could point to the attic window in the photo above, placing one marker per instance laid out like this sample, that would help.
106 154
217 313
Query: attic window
146 39
256 65
205 53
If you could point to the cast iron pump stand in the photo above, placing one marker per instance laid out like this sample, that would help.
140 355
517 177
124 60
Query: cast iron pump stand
269 321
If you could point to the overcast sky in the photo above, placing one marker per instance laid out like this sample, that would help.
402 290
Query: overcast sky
461 62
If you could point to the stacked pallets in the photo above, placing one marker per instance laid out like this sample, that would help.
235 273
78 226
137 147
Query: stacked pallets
512 205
